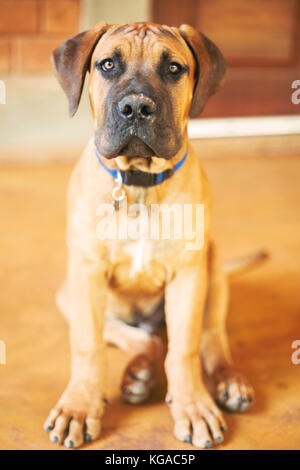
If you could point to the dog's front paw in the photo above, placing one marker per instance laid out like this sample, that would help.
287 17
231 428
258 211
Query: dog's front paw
197 419
76 418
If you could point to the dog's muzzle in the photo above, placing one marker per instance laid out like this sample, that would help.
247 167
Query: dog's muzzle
137 113
138 124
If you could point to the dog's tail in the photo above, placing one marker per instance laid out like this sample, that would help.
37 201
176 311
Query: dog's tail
245 263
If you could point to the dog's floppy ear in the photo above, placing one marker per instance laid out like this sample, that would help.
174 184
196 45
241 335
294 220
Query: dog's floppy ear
71 61
210 67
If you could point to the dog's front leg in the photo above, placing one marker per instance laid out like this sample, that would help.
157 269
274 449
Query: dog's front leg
197 418
76 416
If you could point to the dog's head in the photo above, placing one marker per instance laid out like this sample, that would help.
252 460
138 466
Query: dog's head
145 80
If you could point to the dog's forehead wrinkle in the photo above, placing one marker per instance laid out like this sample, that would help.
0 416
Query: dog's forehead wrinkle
110 48
142 31
141 28
170 50
144 42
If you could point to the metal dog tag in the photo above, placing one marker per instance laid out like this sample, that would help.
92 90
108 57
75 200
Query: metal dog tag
118 193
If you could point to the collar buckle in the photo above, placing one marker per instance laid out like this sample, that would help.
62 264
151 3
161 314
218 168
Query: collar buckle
118 192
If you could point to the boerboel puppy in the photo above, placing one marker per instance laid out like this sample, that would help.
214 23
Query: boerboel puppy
145 82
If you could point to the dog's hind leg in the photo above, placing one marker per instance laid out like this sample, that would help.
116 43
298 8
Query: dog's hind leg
144 349
231 390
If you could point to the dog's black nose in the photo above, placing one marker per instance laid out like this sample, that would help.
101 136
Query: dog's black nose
139 106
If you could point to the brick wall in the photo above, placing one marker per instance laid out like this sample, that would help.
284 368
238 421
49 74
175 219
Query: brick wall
31 29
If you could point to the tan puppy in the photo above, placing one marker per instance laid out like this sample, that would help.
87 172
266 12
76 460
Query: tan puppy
145 80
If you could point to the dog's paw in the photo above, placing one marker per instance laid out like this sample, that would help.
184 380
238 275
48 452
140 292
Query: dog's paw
232 390
76 418
197 420
138 380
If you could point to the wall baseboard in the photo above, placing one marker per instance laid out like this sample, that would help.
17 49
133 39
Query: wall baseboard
243 126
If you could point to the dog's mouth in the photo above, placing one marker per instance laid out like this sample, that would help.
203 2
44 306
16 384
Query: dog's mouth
143 142
137 148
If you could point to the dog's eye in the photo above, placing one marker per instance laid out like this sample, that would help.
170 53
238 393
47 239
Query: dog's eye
107 65
174 67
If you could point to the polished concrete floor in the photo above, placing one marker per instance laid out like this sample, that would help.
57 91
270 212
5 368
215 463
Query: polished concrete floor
257 205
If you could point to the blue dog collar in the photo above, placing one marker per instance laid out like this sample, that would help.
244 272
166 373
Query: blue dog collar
142 178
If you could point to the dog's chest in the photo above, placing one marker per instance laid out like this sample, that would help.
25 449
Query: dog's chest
141 255
136 269
140 261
